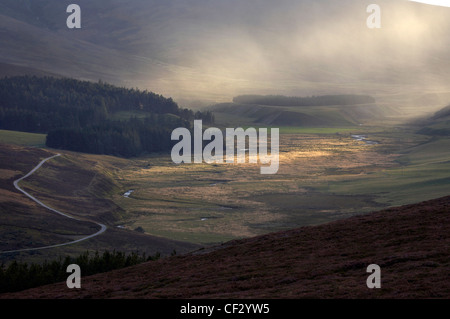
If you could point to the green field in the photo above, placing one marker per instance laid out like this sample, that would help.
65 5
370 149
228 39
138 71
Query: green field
332 116
22 138
423 174
324 175
316 130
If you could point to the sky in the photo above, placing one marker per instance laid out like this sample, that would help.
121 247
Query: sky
443 3
315 47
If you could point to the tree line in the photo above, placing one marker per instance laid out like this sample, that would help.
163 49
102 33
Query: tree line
80 115
19 276
118 138
323 100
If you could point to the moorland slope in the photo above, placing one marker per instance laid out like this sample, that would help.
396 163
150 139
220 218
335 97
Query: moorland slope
409 243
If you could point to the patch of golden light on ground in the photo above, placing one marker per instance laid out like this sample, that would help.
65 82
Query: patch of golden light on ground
173 198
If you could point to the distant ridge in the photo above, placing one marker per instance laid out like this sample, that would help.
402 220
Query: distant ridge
8 70
438 124
212 50
322 100
442 114
316 111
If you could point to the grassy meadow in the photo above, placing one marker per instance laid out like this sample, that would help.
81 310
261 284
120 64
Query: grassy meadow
22 138
324 175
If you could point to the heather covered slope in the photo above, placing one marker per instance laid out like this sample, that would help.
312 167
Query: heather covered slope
24 224
409 243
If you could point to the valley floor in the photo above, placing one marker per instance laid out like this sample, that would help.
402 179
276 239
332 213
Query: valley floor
323 176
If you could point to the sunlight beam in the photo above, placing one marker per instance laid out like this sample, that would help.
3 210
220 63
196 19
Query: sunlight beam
442 3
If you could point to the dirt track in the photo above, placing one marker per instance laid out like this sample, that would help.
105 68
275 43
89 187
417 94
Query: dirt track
16 185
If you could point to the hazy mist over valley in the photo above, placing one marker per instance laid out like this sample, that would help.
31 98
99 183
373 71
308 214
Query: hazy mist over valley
214 50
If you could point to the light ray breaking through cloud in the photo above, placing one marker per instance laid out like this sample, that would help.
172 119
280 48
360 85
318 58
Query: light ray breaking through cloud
442 3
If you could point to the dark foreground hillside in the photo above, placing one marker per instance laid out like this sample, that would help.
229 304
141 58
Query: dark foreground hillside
409 243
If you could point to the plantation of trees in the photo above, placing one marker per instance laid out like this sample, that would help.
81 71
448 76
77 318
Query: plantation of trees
20 276
80 115
323 100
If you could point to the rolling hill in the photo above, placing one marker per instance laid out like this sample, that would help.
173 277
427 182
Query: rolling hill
27 225
304 115
438 124
8 70
212 50
91 117
409 243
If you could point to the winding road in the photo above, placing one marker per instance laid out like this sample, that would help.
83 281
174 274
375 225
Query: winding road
16 185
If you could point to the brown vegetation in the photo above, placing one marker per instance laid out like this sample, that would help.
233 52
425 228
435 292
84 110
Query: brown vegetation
75 184
409 243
